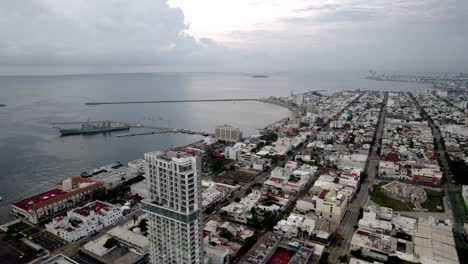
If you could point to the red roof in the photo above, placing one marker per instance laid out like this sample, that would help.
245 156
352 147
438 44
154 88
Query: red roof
93 207
39 199
54 195
392 156
277 180
323 194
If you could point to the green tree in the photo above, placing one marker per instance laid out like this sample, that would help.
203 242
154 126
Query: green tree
226 234
143 225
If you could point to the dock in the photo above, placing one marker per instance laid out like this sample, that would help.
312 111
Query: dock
160 130
297 110
173 101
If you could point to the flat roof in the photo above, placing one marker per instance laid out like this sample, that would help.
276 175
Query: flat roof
96 207
59 259
54 195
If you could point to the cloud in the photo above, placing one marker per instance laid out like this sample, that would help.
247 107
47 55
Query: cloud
96 34
73 36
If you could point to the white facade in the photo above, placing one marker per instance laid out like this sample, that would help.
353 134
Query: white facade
84 221
241 211
174 207
228 133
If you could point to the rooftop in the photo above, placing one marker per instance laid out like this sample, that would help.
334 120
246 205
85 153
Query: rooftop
54 195
96 207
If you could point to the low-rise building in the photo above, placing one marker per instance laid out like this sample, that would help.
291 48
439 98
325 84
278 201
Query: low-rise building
289 180
331 204
382 233
131 236
84 221
296 225
241 211
68 193
426 175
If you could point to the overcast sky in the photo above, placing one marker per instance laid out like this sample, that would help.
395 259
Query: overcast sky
86 36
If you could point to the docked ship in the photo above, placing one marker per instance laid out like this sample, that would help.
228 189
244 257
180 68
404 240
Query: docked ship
92 128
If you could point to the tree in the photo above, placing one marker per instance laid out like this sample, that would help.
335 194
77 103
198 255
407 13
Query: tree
237 199
143 225
226 234
218 165
356 253
344 259
459 169
324 258
248 191
361 213
257 184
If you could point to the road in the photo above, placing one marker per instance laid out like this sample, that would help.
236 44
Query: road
263 176
451 190
346 227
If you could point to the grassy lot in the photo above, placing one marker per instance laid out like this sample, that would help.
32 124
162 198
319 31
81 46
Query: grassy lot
382 199
434 199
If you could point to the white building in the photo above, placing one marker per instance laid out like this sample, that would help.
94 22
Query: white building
331 204
296 225
68 193
382 233
84 221
289 180
228 133
241 211
131 237
174 207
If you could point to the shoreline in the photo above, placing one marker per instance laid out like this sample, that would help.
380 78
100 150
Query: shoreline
5 215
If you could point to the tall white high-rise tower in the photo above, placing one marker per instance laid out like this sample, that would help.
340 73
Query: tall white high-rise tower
174 207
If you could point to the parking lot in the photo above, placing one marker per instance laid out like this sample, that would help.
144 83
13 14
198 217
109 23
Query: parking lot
48 241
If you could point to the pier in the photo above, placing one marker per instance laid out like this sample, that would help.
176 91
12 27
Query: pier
173 101
160 130
296 109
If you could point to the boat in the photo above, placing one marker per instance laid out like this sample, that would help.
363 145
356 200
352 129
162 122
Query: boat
92 128
260 76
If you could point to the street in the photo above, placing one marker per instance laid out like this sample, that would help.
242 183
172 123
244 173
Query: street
346 227
451 190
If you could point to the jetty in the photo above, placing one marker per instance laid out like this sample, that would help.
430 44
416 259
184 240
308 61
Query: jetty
173 101
297 110
159 130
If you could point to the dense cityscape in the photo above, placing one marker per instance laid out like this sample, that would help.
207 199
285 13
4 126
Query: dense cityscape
234 132
351 177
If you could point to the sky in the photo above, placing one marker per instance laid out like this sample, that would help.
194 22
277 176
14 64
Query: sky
96 36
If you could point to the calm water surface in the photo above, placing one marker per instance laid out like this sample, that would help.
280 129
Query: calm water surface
33 156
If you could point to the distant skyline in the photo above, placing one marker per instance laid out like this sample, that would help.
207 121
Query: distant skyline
86 36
